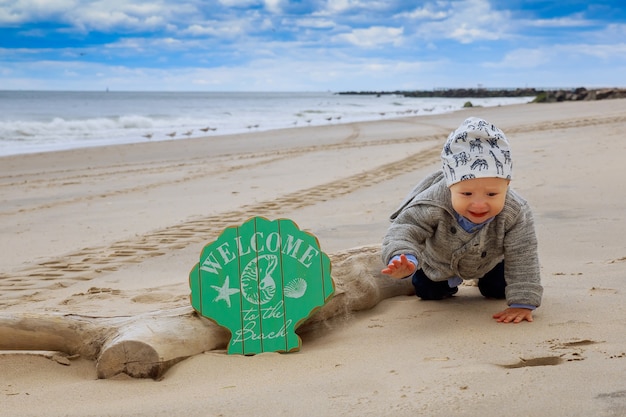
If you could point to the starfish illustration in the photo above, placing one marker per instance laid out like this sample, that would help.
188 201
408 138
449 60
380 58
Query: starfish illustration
224 292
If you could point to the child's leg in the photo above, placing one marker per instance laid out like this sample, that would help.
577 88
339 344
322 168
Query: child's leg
427 289
492 284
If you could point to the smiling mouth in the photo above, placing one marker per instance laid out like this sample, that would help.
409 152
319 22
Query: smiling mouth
479 214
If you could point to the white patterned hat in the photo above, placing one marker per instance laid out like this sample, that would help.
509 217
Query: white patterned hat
477 149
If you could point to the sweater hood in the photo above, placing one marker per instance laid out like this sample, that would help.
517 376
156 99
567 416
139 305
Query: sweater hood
431 190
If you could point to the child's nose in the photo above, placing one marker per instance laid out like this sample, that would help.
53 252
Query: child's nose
479 202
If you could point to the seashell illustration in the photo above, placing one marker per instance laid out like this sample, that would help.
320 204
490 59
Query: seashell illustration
257 284
295 288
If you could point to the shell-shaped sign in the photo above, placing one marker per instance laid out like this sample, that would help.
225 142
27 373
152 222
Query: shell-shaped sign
261 280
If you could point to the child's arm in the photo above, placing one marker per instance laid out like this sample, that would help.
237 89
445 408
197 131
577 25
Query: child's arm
400 268
514 315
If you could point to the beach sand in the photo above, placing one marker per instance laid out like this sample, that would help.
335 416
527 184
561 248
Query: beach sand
114 231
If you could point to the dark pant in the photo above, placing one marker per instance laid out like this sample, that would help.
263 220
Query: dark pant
491 285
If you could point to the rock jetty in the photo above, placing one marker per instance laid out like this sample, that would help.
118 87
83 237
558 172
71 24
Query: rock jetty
541 95
579 94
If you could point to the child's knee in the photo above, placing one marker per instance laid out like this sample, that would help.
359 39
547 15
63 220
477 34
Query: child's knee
490 289
427 289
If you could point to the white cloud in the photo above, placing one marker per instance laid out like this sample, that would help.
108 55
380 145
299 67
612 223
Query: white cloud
310 22
127 16
19 11
10 17
281 73
430 11
523 58
561 22
142 9
274 6
15 52
325 69
224 30
130 46
608 34
155 22
373 36
338 6
238 3
104 19
334 7
466 22
466 33
88 15
303 75
614 52
336 46
572 57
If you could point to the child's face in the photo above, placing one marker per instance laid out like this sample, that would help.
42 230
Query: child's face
479 199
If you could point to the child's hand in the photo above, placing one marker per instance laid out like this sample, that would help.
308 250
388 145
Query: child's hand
399 268
514 315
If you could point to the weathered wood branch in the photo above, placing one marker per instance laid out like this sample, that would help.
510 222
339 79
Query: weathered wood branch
147 345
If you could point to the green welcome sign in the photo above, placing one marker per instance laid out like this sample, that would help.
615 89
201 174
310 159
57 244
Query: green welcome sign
261 280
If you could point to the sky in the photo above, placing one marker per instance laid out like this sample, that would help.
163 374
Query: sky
310 45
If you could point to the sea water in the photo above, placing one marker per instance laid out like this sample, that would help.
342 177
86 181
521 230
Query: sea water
40 121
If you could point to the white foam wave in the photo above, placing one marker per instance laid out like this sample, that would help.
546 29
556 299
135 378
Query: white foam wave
85 119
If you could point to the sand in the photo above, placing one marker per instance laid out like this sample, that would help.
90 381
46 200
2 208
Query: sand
114 231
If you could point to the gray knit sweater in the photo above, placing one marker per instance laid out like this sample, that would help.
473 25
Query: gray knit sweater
424 225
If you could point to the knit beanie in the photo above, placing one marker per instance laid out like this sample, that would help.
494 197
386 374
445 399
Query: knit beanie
477 149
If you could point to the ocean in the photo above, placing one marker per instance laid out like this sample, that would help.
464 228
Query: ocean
43 121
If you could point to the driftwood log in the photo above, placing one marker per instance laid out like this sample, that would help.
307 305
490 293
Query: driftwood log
147 345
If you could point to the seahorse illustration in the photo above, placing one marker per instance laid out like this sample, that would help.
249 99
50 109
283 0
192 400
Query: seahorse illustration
257 284
499 167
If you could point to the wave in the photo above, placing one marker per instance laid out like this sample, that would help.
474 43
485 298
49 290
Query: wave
83 121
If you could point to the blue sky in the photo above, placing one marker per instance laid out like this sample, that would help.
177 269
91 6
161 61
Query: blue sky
310 45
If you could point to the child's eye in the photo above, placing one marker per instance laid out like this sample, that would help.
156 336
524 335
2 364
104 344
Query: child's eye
492 194
467 194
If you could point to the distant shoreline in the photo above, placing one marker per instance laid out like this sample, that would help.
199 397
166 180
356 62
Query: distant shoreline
541 95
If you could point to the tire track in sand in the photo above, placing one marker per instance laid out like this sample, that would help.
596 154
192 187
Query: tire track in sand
178 172
88 263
